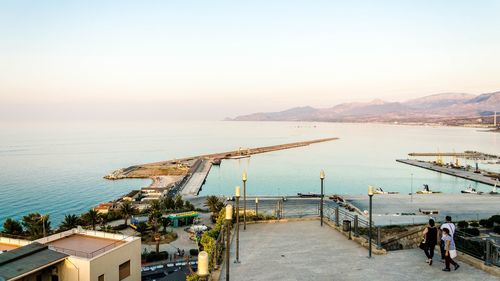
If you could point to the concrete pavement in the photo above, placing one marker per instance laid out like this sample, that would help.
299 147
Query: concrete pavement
305 251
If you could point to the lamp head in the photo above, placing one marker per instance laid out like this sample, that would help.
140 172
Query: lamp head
203 264
322 174
237 192
244 176
229 212
256 200
370 190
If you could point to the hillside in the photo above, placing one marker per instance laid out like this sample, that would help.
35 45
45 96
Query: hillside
433 107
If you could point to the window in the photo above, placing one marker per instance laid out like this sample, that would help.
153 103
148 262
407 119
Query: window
39 278
100 278
124 270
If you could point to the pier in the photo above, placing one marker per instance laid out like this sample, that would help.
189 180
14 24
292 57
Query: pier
457 172
179 167
193 185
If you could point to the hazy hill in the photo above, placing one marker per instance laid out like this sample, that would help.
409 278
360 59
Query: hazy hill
433 106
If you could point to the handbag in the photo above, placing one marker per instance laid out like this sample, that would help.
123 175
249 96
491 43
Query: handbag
422 245
453 254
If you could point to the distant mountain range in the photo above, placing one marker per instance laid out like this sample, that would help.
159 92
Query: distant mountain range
429 108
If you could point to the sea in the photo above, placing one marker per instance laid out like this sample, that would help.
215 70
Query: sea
58 168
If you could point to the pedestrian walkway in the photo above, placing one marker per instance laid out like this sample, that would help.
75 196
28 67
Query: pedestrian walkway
305 251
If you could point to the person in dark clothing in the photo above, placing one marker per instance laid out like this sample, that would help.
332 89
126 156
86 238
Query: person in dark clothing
431 238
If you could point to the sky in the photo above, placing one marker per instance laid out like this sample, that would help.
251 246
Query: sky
189 60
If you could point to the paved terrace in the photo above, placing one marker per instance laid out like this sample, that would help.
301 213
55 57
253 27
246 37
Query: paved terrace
305 251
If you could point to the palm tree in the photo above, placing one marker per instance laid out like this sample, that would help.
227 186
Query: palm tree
36 225
214 204
70 221
92 218
155 216
127 210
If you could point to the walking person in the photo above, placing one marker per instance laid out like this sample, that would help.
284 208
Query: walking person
451 228
450 251
431 237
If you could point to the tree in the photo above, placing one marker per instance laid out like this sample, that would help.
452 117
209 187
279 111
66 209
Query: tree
127 210
188 206
12 227
215 205
165 222
169 203
36 225
70 221
142 227
155 217
178 202
92 217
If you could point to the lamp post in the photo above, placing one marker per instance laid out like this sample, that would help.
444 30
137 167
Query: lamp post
322 177
256 208
229 219
370 194
237 195
411 190
203 266
244 178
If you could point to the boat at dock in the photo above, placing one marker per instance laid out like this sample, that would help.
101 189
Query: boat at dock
308 195
379 190
494 190
426 190
471 190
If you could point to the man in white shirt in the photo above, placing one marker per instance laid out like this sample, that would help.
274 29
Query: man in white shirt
448 224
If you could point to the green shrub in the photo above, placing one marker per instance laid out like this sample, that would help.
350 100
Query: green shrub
192 277
153 256
462 224
486 223
471 231
474 224
120 227
495 219
496 229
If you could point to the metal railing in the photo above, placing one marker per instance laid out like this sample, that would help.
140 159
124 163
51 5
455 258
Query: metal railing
481 248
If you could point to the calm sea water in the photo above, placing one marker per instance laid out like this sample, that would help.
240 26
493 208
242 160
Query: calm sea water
58 169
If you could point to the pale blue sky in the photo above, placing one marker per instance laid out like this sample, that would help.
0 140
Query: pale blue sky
193 59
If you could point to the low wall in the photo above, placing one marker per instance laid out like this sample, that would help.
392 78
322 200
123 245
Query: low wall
407 240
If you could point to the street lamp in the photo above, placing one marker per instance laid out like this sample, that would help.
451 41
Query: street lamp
322 177
370 194
244 178
203 266
237 195
229 219
256 208
411 191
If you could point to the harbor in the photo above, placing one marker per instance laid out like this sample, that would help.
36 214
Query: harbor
476 175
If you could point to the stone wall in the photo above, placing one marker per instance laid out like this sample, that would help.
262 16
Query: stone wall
407 240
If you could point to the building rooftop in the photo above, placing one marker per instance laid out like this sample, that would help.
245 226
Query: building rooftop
25 260
85 243
7 244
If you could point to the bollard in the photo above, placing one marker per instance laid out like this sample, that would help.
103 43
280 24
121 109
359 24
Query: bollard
487 260
379 240
350 238
356 230
337 216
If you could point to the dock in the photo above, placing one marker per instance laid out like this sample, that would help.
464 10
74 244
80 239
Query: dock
196 180
461 173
